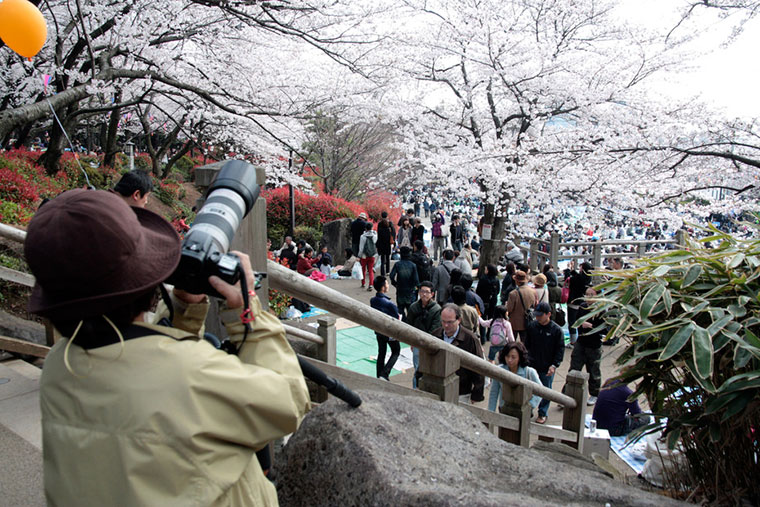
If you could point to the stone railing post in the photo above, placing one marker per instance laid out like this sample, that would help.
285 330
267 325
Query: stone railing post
439 375
641 249
681 237
533 256
574 419
517 404
597 255
327 351
554 250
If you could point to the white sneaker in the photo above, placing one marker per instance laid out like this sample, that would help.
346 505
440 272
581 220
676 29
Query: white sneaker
591 400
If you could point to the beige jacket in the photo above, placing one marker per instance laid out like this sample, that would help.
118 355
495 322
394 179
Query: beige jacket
169 420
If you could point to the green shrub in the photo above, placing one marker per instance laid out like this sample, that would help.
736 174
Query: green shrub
309 234
691 319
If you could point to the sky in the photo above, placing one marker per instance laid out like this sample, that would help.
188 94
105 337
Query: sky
726 76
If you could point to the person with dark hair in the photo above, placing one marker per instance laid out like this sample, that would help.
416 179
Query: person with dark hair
465 280
500 332
471 384
306 262
357 229
442 276
134 187
383 303
546 348
588 348
508 284
468 313
404 277
418 231
288 256
404 234
423 262
514 358
488 290
613 411
425 315
408 216
456 230
348 265
520 301
386 237
550 274
579 281
439 238
136 411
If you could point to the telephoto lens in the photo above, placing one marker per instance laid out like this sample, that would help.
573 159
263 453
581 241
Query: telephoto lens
204 249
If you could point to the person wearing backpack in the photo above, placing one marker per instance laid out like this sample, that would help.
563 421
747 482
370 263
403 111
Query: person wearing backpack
520 303
423 262
367 251
499 332
439 240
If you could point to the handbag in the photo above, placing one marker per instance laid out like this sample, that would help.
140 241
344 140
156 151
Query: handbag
528 317
559 316
565 291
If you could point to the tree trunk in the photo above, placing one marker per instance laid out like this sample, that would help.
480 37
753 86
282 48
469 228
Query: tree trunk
178 155
492 250
113 127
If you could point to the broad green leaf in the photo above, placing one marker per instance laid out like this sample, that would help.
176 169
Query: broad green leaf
735 260
720 340
673 437
718 402
751 338
650 299
743 385
741 357
736 406
718 325
702 348
742 377
677 341
661 271
737 311
691 275
667 300
675 257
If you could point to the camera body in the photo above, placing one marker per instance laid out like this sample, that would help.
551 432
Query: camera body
204 250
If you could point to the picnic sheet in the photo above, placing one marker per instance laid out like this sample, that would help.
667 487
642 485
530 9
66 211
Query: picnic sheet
630 452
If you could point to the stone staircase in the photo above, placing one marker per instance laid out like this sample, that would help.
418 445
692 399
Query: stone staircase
20 435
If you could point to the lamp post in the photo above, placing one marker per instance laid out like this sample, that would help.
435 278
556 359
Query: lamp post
131 152
292 198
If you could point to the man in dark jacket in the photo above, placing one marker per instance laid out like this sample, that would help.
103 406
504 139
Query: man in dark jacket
384 304
423 262
456 231
425 315
404 278
546 348
579 281
357 229
588 349
471 384
386 235
442 276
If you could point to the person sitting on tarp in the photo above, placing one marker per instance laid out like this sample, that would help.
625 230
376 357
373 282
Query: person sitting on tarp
614 412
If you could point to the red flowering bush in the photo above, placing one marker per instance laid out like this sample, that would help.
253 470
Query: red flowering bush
381 201
311 210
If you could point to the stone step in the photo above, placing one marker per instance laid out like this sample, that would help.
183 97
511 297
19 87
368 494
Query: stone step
20 435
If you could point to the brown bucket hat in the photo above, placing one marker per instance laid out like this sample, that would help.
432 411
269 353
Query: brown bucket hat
91 252
520 276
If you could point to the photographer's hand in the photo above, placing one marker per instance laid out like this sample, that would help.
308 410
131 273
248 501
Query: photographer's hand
232 292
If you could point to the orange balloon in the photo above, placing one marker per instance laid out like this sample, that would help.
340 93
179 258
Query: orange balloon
22 27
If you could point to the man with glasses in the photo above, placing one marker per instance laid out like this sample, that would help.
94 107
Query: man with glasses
425 315
471 384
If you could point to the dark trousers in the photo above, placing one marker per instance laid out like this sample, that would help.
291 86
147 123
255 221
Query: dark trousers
385 264
572 316
591 359
383 368
402 308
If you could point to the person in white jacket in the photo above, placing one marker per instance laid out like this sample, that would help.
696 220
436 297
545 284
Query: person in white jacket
367 253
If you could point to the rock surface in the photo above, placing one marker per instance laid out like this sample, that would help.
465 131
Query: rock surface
337 236
16 327
399 450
